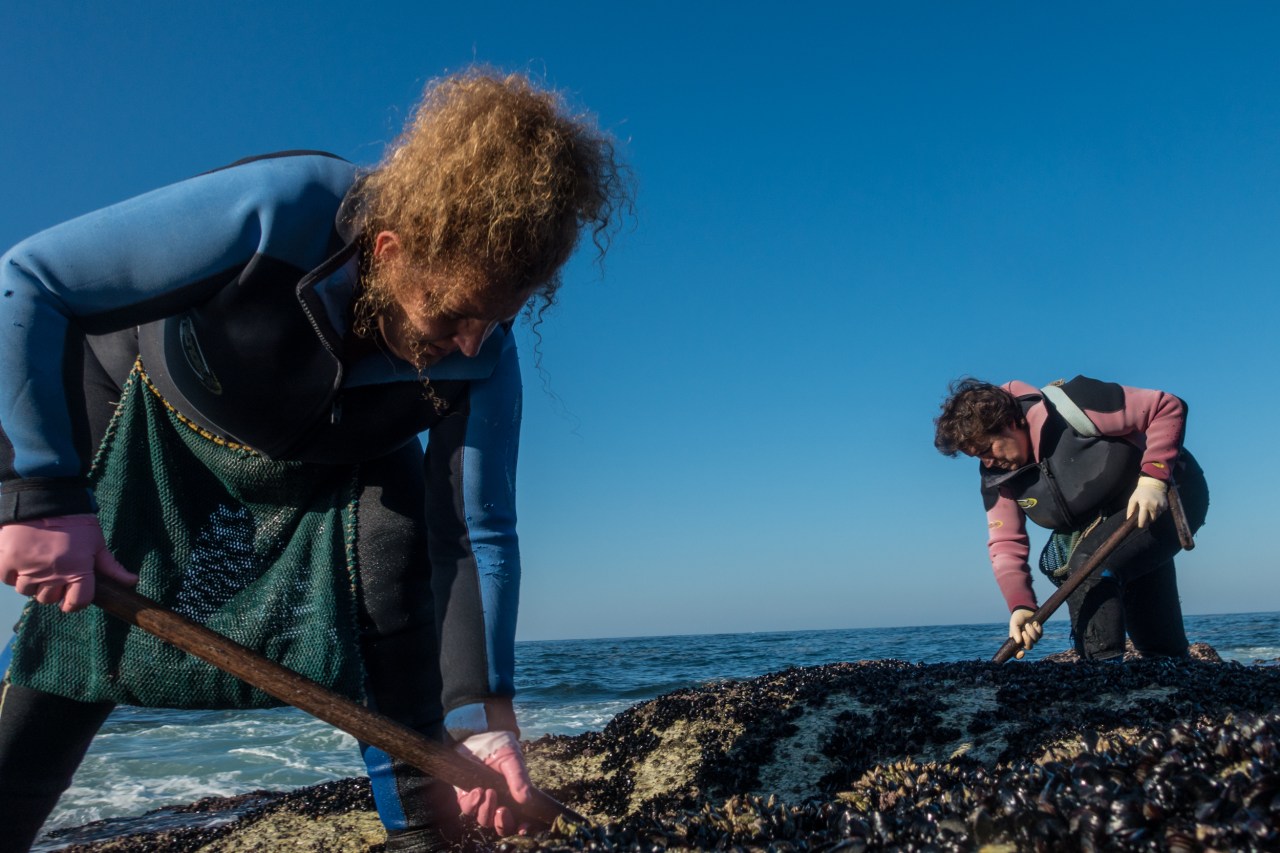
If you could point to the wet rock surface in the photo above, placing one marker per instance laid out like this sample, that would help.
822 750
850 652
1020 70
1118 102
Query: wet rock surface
1146 755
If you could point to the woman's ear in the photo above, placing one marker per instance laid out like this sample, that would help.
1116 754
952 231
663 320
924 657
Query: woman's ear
386 246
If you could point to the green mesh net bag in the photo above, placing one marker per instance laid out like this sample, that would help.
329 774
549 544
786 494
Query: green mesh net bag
1055 559
260 551
1057 554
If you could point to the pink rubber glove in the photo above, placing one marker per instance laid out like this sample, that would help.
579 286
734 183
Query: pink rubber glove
500 751
54 559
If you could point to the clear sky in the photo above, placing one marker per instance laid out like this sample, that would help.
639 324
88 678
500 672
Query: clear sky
841 208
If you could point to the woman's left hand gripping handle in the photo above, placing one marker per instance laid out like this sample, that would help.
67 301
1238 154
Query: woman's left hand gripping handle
56 559
500 751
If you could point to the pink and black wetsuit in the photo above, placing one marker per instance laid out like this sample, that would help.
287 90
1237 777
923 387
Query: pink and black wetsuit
1072 481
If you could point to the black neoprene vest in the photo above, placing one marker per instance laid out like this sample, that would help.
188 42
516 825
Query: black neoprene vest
1077 478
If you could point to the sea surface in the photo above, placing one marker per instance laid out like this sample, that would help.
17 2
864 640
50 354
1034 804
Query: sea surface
145 759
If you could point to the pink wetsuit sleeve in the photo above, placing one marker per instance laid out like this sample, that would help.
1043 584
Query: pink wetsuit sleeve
1009 546
1158 416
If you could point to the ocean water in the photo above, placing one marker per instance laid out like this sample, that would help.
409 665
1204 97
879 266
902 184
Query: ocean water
145 759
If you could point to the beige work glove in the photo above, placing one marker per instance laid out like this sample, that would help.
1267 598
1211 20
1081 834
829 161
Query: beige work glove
1149 499
1024 630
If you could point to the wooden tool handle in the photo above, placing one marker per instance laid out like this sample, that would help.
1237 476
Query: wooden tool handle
1011 646
1185 538
288 686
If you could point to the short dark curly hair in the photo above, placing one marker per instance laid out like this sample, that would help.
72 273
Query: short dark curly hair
972 411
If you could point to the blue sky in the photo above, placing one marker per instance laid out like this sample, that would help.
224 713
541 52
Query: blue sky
841 208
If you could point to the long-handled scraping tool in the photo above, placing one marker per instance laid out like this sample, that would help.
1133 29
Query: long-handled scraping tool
1011 646
303 693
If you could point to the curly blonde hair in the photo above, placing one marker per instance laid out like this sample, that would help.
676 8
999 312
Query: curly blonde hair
492 176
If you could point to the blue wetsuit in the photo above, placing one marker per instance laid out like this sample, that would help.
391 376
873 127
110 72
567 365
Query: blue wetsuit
236 289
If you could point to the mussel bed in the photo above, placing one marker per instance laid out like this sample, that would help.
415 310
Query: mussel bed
1148 755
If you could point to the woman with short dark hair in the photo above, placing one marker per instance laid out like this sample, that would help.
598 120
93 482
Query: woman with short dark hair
1079 458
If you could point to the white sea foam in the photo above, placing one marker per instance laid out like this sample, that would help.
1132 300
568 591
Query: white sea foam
1249 654
135 765
568 719
111 797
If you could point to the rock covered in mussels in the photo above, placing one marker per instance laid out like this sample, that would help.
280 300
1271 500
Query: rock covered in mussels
1149 755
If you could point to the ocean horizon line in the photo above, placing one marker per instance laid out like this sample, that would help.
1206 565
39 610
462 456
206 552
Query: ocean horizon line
766 632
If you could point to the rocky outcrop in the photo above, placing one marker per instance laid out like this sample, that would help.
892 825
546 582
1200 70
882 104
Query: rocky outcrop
1141 755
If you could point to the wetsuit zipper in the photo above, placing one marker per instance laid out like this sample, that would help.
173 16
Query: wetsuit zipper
1051 483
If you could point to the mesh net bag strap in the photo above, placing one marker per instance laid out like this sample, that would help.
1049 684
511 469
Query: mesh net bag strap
1055 558
261 551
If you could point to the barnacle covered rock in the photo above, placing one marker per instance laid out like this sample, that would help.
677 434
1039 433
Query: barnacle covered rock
1151 754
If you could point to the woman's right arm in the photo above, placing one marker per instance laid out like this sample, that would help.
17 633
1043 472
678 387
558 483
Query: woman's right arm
128 264
131 263
1009 547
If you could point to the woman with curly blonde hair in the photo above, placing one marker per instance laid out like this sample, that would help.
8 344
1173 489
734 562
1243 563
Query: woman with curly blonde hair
220 385
486 192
